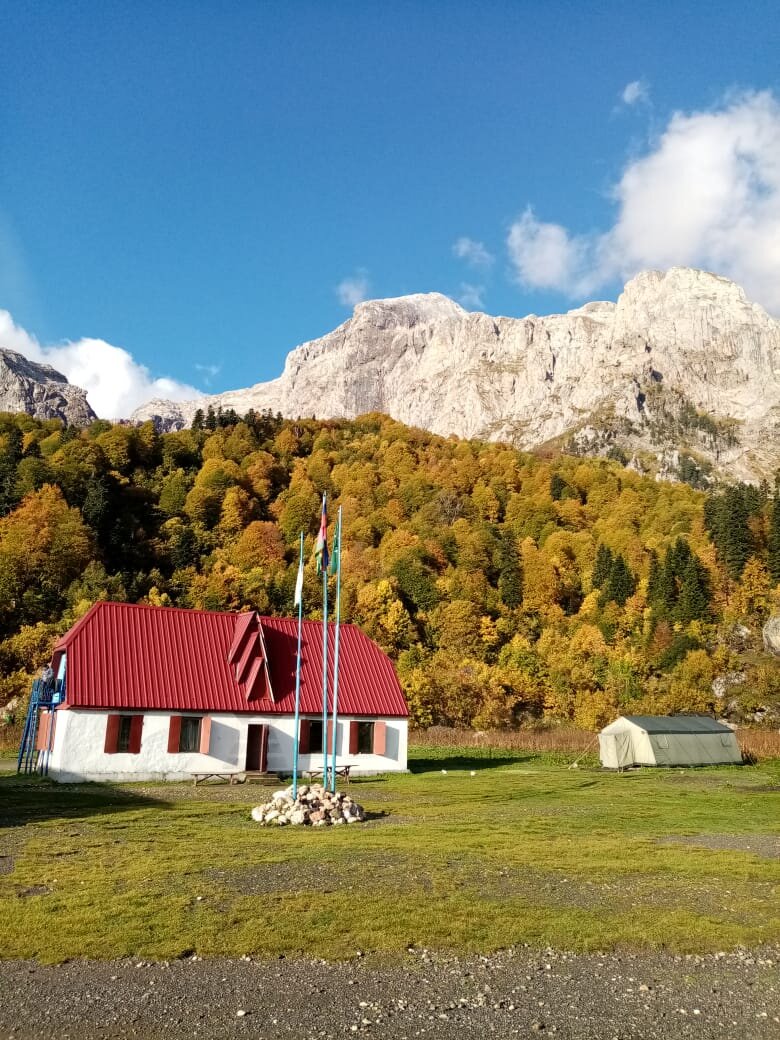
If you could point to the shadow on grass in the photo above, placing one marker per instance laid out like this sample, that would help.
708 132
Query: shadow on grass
448 759
32 799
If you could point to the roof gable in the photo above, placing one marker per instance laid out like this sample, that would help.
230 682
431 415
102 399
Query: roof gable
249 658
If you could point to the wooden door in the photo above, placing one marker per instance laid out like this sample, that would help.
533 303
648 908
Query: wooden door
256 748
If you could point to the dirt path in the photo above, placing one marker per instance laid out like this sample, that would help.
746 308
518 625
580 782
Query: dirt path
522 992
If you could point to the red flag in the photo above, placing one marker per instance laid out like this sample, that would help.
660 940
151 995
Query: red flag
321 548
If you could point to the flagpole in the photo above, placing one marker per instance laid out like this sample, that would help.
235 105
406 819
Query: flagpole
296 736
336 659
325 656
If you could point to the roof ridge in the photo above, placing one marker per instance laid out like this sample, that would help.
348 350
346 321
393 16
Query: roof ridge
210 613
178 610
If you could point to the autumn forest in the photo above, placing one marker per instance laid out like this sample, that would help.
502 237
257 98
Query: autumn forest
510 589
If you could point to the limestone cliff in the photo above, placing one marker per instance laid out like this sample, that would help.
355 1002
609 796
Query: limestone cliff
40 391
680 376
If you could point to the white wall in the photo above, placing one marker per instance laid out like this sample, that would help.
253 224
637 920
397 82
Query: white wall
80 736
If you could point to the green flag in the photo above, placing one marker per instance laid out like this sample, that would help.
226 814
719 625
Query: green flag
336 550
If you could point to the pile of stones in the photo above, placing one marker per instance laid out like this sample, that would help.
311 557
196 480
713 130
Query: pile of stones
315 806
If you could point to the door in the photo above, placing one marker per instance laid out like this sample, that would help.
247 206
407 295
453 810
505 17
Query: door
623 750
256 748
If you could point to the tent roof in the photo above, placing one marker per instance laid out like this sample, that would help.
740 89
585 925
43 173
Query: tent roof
678 724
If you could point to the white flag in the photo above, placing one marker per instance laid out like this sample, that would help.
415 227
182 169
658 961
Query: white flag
299 585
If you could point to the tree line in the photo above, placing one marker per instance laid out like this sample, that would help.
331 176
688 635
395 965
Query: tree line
508 588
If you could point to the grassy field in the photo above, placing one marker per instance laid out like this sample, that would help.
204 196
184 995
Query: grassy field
526 850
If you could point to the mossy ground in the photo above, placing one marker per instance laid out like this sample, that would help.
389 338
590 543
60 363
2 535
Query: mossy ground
526 850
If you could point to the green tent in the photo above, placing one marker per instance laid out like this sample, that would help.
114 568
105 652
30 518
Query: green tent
667 740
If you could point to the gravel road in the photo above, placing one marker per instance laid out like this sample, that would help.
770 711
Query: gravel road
521 992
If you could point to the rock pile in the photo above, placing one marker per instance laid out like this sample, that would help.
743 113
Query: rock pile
315 806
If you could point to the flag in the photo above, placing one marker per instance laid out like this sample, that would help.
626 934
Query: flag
334 556
321 548
299 584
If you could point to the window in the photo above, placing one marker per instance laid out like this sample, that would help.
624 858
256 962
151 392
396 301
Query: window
189 736
310 736
315 737
663 742
365 740
123 735
188 733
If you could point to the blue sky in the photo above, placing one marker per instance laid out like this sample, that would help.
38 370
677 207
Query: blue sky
193 182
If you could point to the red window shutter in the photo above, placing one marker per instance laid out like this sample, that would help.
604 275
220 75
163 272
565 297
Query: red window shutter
329 738
112 734
44 725
353 738
136 726
303 741
205 734
380 737
174 735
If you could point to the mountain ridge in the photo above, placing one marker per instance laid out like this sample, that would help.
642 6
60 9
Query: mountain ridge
681 373
40 391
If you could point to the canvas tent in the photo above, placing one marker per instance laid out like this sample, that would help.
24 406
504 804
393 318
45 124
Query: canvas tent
667 740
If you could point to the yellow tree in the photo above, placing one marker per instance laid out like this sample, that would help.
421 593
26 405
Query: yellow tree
44 545
752 597
237 511
260 545
204 502
380 612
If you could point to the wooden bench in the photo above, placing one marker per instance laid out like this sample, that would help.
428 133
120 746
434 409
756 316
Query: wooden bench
199 778
343 771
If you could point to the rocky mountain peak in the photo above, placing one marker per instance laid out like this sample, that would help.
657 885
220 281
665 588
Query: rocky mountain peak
680 376
40 390
407 311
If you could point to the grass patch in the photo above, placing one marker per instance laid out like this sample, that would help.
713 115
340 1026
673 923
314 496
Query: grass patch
525 850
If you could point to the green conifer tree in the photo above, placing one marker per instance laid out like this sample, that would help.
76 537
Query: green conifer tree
602 567
558 487
774 540
510 572
620 584
694 596
737 540
726 517
654 579
10 454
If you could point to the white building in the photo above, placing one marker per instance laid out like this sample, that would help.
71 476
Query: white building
667 740
159 693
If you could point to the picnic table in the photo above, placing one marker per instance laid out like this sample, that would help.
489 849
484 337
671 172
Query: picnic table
343 771
199 778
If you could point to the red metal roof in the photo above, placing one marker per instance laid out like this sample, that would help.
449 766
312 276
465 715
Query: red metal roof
122 655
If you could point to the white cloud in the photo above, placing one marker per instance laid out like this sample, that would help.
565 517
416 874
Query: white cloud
354 290
635 92
474 253
705 194
208 372
115 383
544 255
472 296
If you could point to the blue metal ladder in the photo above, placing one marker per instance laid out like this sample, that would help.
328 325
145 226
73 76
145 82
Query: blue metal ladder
44 697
